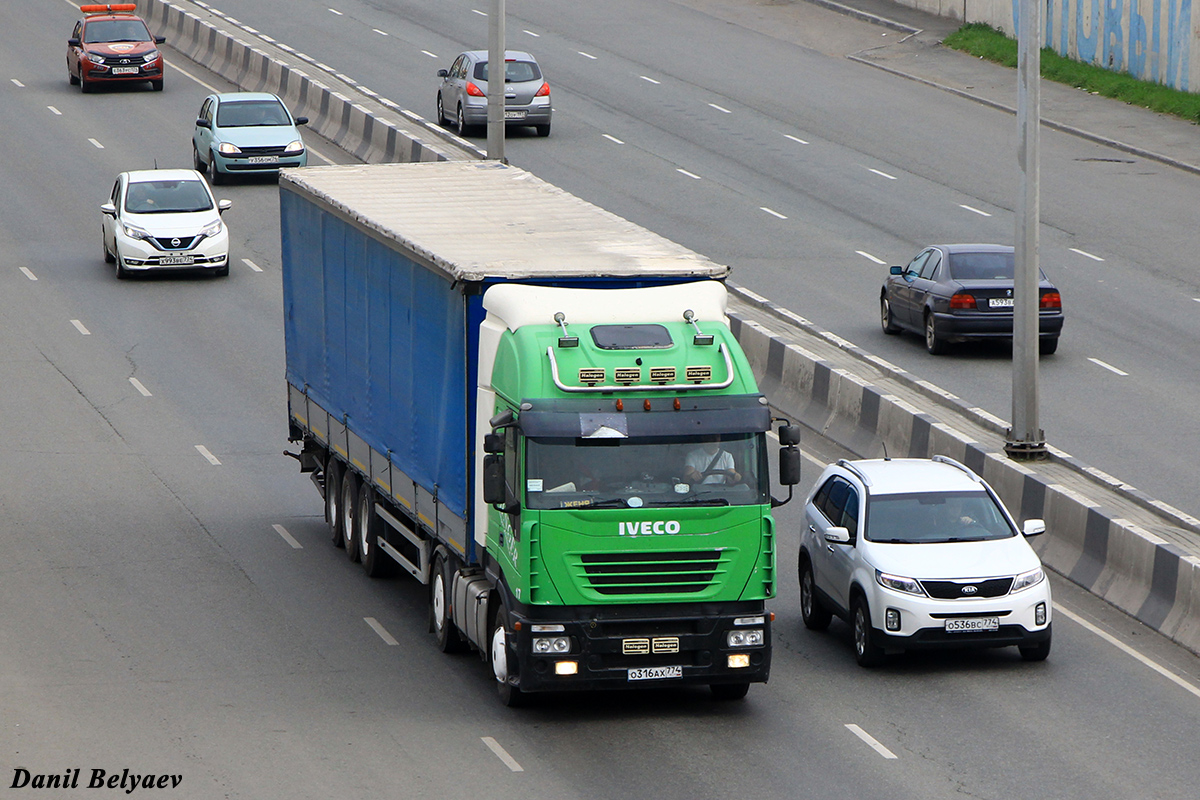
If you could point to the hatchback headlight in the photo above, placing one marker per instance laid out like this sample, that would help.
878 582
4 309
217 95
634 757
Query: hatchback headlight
1027 579
228 148
898 583
212 228
134 232
95 59
294 147
151 56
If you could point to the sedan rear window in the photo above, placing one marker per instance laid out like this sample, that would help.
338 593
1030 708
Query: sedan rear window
514 71
166 197
116 30
981 266
251 113
936 517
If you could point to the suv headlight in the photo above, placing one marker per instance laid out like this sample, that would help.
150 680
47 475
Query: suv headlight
228 148
899 584
1027 579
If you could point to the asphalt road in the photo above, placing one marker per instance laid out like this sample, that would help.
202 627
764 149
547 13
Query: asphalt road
741 131
166 614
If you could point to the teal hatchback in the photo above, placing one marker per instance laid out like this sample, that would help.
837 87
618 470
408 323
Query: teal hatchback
246 132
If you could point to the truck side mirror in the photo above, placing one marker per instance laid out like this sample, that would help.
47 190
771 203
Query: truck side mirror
789 465
789 435
493 478
493 443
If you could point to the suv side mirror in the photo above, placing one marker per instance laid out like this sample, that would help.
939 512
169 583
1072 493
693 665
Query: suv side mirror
493 479
837 535
109 209
160 40
72 43
1032 527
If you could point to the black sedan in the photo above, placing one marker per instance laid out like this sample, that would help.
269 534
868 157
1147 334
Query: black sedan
961 292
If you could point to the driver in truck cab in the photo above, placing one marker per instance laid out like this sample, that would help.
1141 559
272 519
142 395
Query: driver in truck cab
710 463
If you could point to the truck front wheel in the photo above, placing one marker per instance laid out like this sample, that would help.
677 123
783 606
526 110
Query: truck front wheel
504 662
333 498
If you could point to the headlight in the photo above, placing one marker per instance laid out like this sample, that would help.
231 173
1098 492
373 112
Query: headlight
134 232
212 229
227 148
1027 579
552 644
295 147
95 59
151 56
750 638
898 583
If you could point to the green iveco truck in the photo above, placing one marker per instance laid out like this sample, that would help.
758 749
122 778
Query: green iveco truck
538 410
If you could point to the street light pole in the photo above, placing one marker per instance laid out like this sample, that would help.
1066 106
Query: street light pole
496 74
1026 440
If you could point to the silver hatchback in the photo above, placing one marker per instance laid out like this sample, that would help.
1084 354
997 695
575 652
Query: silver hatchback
462 97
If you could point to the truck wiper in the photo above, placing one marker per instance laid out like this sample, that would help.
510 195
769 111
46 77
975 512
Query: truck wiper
695 500
613 502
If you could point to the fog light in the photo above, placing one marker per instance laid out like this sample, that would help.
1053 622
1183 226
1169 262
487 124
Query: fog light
552 644
566 667
739 660
1039 613
750 638
891 619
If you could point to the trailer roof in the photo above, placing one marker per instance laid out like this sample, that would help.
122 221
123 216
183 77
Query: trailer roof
484 220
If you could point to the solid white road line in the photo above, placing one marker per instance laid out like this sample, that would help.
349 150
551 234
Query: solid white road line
718 108
55 111
613 139
388 639
29 273
869 739
974 210
79 327
534 35
772 212
138 385
502 754
586 55
18 83
1124 648
1085 254
794 138
870 257
287 537
682 171
251 265
202 450
187 74
1108 367
96 144
882 174
650 80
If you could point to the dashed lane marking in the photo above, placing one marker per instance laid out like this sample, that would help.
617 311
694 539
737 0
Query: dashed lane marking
202 450
1085 254
287 537
388 639
79 327
772 212
29 273
974 210
251 265
612 139
882 174
502 754
1108 367
138 385
870 257
870 740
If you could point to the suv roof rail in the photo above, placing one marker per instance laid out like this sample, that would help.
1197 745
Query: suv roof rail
963 467
848 465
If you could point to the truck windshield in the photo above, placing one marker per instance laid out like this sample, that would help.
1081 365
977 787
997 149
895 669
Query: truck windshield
728 470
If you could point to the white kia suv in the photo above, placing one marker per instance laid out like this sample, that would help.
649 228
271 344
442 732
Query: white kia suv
920 553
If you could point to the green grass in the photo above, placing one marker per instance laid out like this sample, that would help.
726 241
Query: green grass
983 40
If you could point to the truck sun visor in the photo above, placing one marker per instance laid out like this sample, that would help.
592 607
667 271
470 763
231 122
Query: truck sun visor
558 419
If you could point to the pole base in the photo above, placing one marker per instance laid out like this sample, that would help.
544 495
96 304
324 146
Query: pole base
1021 450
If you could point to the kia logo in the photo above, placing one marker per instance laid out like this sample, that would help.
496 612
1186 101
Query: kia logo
175 243
970 589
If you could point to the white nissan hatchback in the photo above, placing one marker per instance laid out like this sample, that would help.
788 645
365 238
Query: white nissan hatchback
920 553
164 219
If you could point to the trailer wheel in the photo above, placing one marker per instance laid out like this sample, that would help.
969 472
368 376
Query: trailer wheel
333 498
349 518
504 662
375 562
440 621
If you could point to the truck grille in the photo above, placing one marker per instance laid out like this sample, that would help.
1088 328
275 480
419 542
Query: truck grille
953 590
651 573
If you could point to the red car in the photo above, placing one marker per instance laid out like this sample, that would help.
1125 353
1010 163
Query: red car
112 44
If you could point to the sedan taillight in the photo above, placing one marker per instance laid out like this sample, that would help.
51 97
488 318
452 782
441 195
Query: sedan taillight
1051 300
962 300
544 91
474 91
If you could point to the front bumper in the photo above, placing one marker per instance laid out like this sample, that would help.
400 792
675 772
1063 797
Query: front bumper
138 254
923 620
242 164
607 643
95 73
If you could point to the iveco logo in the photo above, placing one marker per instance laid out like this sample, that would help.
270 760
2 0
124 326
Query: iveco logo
648 528
970 589
175 242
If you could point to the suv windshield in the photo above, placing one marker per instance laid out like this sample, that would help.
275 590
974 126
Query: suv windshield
166 197
729 470
936 517
116 30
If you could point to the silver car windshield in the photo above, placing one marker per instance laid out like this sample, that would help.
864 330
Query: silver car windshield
936 517
166 197
729 470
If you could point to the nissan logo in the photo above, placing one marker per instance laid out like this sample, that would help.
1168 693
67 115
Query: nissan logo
970 589
175 243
